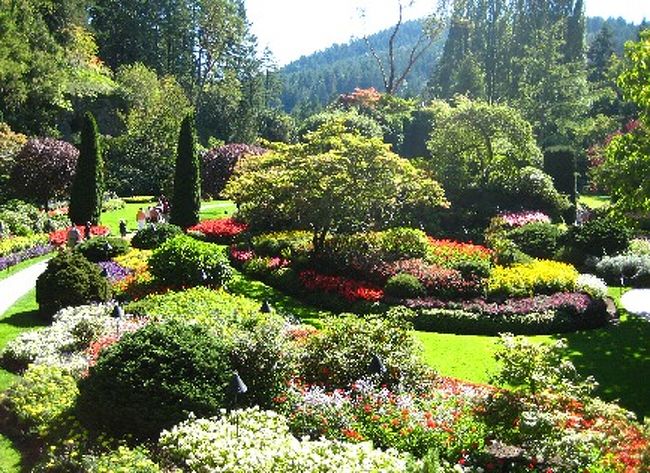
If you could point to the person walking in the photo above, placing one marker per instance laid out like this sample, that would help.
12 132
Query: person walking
123 231
141 218
87 230
74 237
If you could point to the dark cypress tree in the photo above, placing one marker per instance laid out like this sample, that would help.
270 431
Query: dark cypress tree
575 34
186 201
600 54
88 184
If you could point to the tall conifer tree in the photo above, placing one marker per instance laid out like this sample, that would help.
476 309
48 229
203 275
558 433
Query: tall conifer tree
88 184
186 201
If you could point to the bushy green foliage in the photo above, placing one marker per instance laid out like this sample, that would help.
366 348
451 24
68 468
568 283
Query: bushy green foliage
404 286
604 235
23 219
353 122
152 379
103 248
124 460
294 242
185 261
540 240
186 201
152 236
260 348
10 144
70 280
87 189
41 399
310 186
341 352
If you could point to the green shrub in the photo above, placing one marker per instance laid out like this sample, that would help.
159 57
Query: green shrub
70 280
261 350
539 240
103 248
282 243
184 261
605 235
124 460
41 398
22 219
257 267
152 236
404 286
340 353
152 379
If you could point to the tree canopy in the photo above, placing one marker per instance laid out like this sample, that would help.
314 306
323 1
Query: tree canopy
335 182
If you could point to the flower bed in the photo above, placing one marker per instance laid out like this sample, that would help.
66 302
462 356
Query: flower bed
222 230
13 259
17 244
60 237
349 289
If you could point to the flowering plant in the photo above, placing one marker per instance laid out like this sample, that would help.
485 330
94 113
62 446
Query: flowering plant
60 237
349 289
20 243
539 276
13 259
219 230
519 219
453 254
252 440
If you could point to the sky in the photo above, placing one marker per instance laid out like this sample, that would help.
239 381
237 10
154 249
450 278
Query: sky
292 28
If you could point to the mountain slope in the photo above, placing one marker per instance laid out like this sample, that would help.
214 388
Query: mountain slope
313 81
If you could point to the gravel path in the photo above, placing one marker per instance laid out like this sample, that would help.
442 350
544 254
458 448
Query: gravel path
17 285
637 302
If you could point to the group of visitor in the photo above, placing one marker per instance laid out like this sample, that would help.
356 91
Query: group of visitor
155 214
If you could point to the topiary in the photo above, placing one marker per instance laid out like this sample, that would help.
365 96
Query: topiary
540 240
70 280
184 261
186 200
152 379
152 236
103 248
404 286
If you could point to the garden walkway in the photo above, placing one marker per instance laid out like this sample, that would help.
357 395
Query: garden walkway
14 287
637 302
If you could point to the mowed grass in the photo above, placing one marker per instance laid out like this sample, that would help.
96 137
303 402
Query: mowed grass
22 316
594 201
209 210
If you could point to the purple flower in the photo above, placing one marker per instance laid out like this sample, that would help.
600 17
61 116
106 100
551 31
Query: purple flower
14 258
114 272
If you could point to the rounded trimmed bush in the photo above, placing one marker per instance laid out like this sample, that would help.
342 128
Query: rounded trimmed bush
70 280
152 379
185 261
152 236
404 286
103 248
539 240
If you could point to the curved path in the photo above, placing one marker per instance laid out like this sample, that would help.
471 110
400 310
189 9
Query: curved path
637 302
17 285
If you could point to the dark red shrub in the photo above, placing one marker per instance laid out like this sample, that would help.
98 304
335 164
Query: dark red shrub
218 164
44 169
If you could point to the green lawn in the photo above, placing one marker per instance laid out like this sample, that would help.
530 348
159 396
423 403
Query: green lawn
209 209
20 317
594 201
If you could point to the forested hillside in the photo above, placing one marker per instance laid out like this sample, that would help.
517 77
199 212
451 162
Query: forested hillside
313 81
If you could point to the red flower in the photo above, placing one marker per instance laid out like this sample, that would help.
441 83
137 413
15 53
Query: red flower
220 228
60 237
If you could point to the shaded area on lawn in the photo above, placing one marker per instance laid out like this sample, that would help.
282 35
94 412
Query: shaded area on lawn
619 358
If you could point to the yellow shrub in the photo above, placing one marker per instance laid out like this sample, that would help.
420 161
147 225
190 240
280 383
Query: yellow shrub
135 260
536 277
